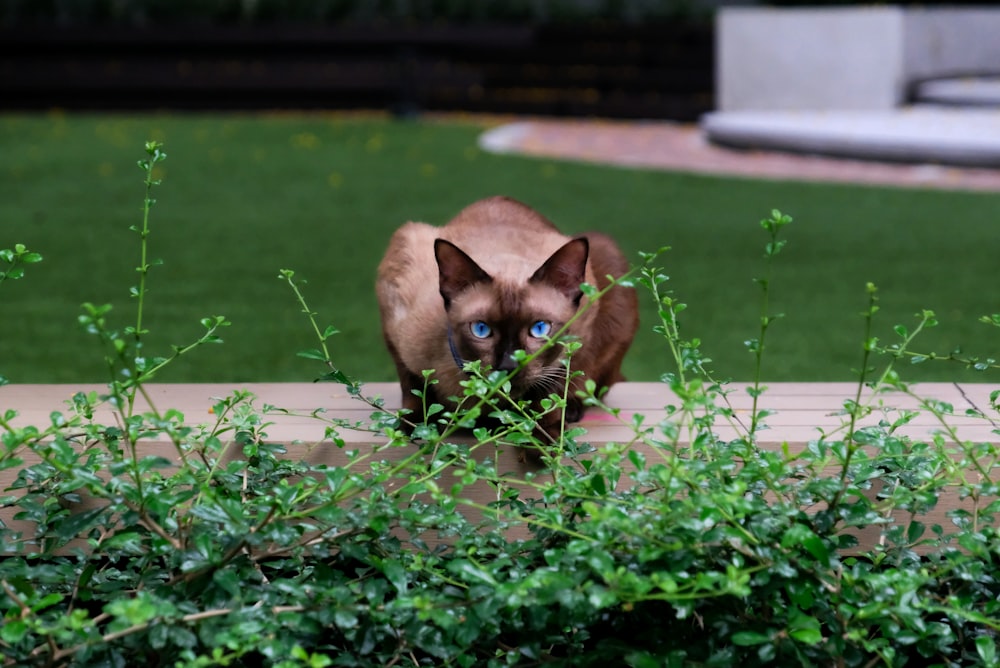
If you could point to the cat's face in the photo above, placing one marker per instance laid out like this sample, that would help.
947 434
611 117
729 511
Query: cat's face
490 318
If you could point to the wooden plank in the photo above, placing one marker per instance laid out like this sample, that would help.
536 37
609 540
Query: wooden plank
803 409
632 396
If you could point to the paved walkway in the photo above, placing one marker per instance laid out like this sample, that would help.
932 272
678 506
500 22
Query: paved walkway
680 147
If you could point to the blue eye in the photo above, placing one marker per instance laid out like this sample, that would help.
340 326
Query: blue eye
480 329
540 329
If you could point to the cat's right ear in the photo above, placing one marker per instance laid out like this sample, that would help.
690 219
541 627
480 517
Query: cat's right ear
456 270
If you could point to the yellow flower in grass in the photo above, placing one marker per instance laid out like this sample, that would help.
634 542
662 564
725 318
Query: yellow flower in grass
375 143
114 133
305 140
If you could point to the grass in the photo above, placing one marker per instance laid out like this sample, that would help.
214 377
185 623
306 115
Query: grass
244 196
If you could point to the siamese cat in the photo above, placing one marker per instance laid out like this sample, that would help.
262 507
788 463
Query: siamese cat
499 278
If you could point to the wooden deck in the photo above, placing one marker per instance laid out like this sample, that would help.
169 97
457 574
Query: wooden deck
803 411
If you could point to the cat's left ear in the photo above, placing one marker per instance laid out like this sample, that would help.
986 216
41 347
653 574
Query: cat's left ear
456 270
566 269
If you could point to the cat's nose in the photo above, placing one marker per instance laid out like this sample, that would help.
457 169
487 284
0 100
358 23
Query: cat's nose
507 363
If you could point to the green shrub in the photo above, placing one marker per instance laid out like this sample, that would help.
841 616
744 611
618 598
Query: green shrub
703 552
261 11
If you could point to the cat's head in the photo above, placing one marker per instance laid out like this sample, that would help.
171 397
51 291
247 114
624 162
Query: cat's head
490 317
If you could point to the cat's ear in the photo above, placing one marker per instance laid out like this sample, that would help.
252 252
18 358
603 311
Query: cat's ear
566 269
456 270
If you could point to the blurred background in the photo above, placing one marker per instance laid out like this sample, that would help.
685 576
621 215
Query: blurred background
650 59
300 134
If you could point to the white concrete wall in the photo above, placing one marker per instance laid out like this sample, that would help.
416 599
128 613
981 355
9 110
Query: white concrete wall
942 41
848 58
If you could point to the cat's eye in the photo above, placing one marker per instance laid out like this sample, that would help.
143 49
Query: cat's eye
480 329
540 329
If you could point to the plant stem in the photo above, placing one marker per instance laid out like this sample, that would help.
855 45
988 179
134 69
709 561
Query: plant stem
772 226
153 150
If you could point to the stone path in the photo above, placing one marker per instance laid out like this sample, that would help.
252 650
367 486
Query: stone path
680 147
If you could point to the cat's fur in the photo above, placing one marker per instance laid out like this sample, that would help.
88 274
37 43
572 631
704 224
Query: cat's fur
502 263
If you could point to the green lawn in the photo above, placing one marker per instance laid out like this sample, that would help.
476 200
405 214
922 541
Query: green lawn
246 195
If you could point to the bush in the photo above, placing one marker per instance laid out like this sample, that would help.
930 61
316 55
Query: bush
262 11
674 547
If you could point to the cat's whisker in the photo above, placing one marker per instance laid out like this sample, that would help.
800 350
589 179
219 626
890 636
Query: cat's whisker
552 380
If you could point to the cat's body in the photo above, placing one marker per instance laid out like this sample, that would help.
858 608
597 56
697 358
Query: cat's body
498 278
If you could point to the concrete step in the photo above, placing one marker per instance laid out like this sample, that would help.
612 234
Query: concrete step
975 91
917 134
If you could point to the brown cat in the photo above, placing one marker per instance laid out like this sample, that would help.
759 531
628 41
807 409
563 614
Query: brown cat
498 278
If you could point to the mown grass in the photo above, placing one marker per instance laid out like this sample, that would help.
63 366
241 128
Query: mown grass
244 196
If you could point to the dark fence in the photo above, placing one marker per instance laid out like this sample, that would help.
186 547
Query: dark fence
646 71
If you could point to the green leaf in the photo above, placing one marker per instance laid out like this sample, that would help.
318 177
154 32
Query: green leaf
338 376
637 459
74 525
800 534
749 638
809 636
396 574
228 580
46 601
472 572
13 630
147 464
599 486
345 617
986 648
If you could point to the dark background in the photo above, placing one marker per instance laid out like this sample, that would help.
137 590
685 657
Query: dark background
611 59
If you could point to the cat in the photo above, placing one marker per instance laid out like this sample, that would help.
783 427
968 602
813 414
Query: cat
500 277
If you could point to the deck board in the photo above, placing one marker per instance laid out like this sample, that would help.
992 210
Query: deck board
800 410
803 411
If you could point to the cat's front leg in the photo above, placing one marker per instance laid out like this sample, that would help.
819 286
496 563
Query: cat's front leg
551 424
411 404
574 409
